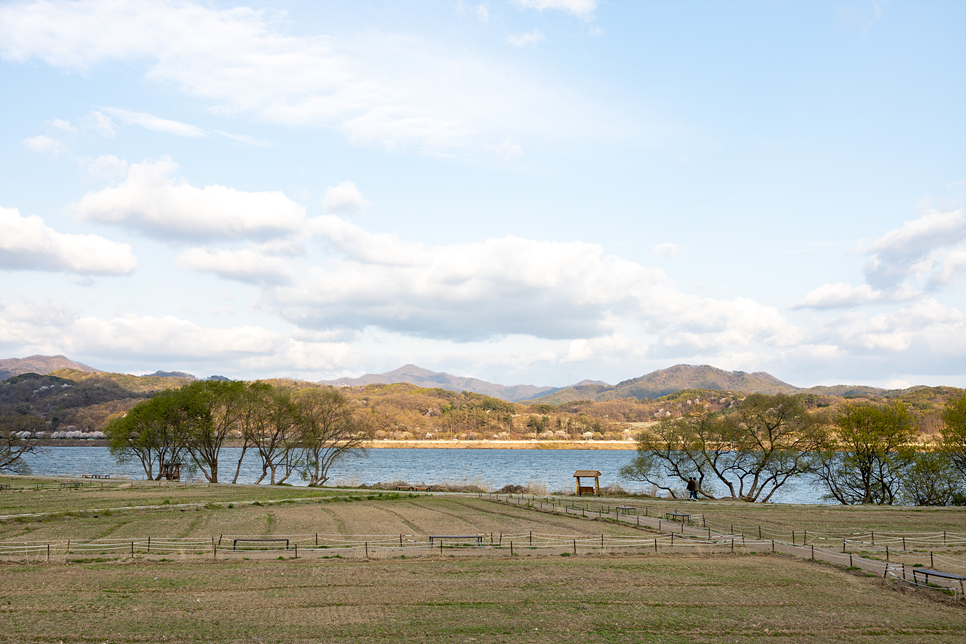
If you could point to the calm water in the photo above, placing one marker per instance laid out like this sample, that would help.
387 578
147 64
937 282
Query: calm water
491 468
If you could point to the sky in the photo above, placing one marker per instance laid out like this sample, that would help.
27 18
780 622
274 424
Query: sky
522 191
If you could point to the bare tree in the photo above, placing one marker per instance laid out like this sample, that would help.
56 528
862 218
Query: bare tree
753 452
17 439
327 432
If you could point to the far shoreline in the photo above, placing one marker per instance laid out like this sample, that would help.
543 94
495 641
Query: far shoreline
418 444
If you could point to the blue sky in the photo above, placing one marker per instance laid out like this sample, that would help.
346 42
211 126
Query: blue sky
529 191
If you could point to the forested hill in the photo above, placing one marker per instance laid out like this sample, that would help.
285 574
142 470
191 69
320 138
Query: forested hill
38 364
668 381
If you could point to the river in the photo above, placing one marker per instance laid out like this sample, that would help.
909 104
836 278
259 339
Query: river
489 468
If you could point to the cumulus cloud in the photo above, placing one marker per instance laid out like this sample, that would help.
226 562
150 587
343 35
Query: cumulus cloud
344 197
581 8
914 250
104 167
153 200
44 144
525 39
27 243
52 328
923 255
262 264
388 90
504 286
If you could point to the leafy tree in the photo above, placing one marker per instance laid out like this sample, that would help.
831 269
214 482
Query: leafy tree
153 432
17 440
327 432
954 432
864 461
930 478
753 452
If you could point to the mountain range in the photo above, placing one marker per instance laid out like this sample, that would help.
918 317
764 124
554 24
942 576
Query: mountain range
38 364
649 386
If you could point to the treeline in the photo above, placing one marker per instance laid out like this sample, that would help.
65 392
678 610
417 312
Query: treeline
293 432
860 452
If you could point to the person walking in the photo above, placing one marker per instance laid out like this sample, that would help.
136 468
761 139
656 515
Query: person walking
692 489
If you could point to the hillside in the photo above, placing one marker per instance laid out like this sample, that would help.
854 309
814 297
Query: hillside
425 378
38 364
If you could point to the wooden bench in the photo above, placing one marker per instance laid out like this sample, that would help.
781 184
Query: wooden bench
70 486
4 487
678 516
413 488
441 537
626 509
97 476
234 545
925 572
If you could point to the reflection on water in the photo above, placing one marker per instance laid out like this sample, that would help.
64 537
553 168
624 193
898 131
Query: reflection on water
490 468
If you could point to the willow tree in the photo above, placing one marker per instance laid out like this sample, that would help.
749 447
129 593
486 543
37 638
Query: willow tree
153 432
753 452
865 460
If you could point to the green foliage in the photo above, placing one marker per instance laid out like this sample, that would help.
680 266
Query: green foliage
931 478
954 432
864 462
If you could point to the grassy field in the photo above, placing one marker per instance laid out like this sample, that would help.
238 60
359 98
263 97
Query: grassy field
531 597
524 599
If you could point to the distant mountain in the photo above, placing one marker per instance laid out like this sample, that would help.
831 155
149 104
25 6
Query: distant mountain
170 374
39 364
425 378
667 381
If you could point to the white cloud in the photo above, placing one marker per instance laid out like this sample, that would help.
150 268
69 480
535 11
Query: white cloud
385 89
156 124
935 329
393 127
28 243
247 140
105 167
507 151
344 197
665 250
62 125
99 123
575 7
841 295
584 349
263 264
151 199
43 144
482 14
914 250
524 39
51 328
506 286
